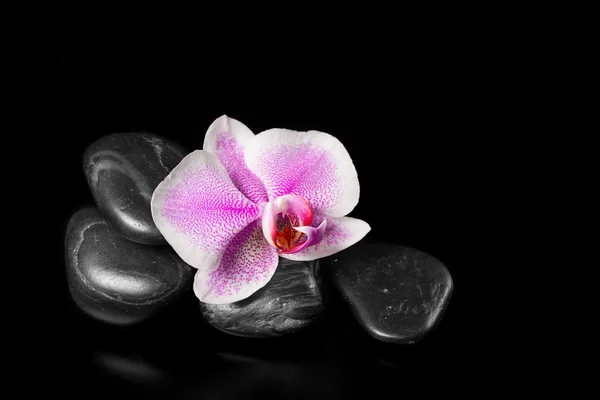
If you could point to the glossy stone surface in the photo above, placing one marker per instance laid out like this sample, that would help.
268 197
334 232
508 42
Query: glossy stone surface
289 302
398 294
122 171
116 280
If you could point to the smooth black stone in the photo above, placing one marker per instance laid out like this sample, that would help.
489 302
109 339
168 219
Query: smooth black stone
290 301
122 171
397 294
116 280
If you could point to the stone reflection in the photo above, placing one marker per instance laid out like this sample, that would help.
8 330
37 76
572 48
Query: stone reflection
130 368
244 377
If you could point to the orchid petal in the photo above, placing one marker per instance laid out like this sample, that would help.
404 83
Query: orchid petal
313 165
340 234
226 138
248 264
199 210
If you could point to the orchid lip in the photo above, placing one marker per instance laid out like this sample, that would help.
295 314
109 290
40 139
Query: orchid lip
287 223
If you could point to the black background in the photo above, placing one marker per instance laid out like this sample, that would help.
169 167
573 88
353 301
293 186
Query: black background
413 147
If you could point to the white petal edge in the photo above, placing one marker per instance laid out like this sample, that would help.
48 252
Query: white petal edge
240 132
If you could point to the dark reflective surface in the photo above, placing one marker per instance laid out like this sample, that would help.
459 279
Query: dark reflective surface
179 355
397 147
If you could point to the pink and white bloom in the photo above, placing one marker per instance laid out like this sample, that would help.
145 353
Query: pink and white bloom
231 209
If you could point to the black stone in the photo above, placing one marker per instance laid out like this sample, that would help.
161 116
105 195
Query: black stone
289 302
397 294
122 170
116 280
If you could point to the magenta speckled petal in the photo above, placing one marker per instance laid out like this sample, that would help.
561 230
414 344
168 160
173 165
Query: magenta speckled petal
227 138
248 264
313 165
199 210
340 234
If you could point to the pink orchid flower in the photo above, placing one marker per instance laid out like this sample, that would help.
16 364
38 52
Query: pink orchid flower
232 209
